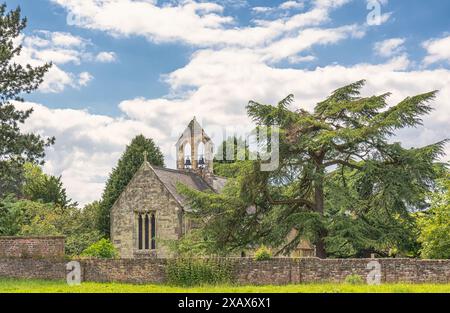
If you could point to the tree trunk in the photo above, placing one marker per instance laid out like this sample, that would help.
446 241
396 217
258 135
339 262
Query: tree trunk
320 248
319 208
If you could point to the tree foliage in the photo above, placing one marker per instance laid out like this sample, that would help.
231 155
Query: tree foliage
16 80
10 216
341 181
128 164
230 153
39 186
34 218
102 249
358 234
435 223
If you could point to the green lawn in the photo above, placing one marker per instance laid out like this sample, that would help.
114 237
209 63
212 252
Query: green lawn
38 286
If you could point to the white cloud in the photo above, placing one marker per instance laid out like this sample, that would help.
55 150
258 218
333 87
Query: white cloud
292 5
389 47
204 25
309 37
87 145
56 80
234 3
84 78
262 9
299 58
438 50
198 23
60 49
285 6
330 3
106 57
56 47
67 40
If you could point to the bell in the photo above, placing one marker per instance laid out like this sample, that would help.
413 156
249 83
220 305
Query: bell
187 163
201 162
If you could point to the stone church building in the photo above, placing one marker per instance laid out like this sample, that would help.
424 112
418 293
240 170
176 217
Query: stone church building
150 210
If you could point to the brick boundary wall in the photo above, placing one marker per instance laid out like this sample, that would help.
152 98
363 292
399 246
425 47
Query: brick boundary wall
278 271
32 247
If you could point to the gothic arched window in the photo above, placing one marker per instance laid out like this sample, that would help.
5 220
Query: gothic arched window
146 231
140 232
153 228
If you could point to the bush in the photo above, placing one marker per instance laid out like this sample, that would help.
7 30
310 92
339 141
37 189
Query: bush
435 223
354 279
263 254
77 242
102 249
196 272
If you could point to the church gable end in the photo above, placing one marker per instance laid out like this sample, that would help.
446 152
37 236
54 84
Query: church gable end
144 208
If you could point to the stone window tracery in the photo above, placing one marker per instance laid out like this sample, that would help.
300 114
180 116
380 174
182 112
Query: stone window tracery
146 230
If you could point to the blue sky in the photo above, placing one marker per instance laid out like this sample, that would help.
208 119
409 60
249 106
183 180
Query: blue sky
141 63
144 66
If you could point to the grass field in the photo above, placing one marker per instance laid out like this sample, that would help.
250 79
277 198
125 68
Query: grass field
42 286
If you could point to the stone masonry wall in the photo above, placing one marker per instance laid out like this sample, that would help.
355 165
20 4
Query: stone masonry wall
33 269
245 271
32 247
124 270
144 193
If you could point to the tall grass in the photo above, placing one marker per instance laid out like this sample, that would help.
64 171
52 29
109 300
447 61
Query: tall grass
43 286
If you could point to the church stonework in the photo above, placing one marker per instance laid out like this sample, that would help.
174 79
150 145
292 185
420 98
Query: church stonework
145 194
150 212
201 162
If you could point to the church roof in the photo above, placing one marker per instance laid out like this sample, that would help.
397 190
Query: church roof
170 178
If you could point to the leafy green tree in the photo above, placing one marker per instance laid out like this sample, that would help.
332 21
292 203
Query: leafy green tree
435 223
232 149
10 216
34 218
39 186
230 153
370 231
128 164
15 80
84 231
26 217
344 133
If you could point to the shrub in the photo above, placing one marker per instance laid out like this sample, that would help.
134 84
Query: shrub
354 279
195 272
77 242
102 249
263 254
